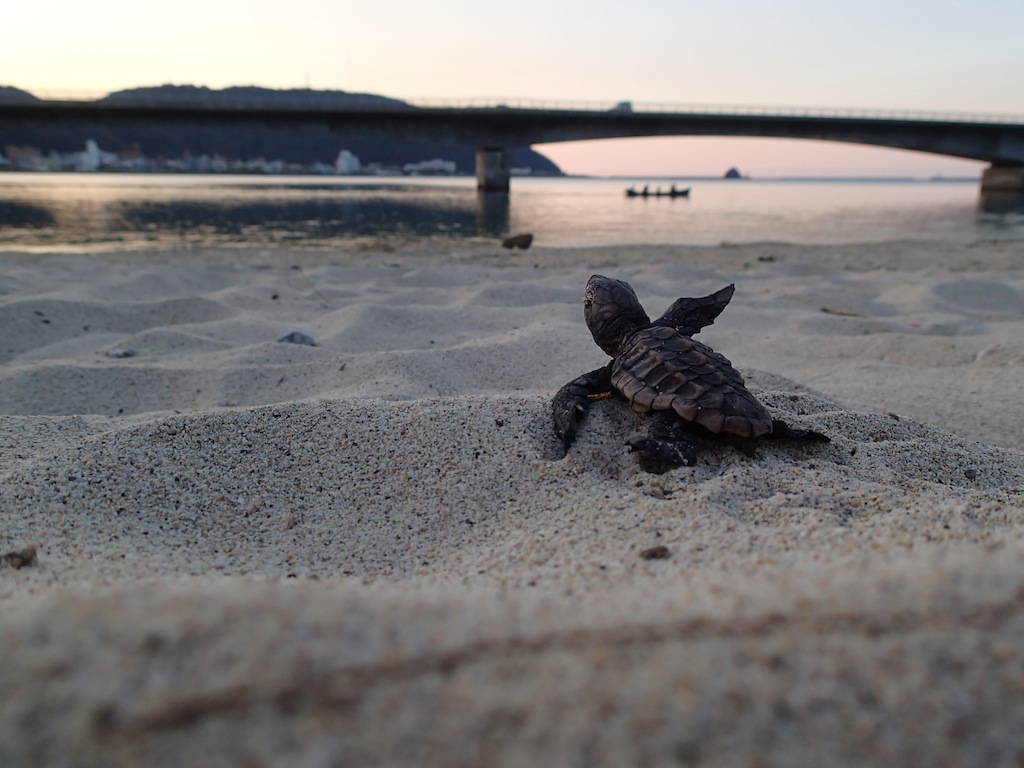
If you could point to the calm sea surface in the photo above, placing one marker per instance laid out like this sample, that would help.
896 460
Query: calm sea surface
86 211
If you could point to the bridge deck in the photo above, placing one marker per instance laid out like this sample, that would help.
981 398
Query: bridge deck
494 124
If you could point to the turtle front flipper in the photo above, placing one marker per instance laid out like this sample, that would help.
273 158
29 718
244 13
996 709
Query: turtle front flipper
688 316
572 402
665 446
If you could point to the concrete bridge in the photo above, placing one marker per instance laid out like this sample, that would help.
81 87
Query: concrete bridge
495 125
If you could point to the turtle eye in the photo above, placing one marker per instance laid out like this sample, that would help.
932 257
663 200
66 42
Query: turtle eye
588 303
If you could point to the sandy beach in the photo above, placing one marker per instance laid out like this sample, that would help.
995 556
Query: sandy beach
372 551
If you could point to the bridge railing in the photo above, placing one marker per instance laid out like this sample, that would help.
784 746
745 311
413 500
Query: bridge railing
305 99
688 108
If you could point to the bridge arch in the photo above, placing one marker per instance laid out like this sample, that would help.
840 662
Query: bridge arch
999 144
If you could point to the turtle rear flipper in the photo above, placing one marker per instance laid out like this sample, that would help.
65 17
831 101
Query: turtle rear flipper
659 455
665 446
781 430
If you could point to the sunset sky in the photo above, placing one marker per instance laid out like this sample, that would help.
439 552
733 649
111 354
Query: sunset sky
891 54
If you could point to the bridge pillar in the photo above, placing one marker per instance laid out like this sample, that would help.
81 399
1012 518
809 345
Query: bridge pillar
1003 178
1002 189
492 172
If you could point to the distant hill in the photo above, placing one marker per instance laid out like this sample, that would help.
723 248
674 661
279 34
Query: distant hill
14 95
304 145
186 95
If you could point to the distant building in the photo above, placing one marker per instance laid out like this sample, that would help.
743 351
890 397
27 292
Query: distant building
27 159
347 163
378 169
93 158
433 167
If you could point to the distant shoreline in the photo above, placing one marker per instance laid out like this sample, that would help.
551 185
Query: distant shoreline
845 179
536 175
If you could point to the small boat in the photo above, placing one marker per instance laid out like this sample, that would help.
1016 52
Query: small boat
672 192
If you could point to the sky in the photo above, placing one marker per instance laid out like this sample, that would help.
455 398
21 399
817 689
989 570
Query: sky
941 55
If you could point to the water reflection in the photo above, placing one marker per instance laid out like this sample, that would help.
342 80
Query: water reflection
14 214
492 212
292 219
166 212
1001 203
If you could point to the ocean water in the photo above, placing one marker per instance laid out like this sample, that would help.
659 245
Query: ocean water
44 212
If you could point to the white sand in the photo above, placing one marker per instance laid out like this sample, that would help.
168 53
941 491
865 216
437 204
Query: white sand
371 552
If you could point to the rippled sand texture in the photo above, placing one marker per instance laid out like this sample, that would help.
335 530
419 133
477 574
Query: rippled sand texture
372 551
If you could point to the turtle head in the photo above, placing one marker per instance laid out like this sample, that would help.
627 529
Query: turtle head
612 311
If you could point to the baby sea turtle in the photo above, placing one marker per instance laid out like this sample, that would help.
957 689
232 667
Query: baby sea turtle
658 367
